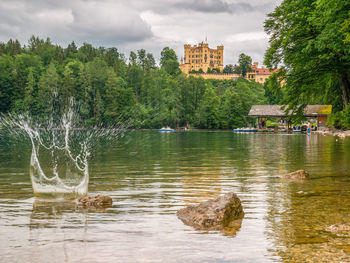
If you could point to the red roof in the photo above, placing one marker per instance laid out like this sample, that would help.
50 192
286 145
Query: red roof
262 71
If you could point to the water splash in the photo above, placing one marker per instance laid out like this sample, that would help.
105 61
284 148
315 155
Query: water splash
60 151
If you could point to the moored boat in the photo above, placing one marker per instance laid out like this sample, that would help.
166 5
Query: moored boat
245 130
166 129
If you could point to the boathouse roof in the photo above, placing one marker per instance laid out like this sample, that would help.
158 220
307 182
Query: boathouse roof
278 111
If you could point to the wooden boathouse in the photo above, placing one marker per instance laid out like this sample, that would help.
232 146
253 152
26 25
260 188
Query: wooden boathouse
262 112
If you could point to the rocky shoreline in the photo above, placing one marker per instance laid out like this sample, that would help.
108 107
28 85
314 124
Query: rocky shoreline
339 133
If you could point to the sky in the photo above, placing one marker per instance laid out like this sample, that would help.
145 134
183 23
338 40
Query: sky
131 25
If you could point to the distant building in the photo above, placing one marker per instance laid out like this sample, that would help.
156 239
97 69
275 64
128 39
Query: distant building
202 57
258 74
318 112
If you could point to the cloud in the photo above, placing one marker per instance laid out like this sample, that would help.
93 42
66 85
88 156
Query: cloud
247 36
103 22
208 6
135 24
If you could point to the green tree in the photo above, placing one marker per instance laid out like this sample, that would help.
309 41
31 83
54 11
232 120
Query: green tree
168 61
7 80
209 110
308 39
231 110
29 91
244 62
48 93
111 97
71 50
232 69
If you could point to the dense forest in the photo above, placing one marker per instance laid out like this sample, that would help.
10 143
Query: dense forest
108 88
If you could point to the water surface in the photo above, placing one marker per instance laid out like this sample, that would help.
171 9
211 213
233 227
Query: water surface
150 175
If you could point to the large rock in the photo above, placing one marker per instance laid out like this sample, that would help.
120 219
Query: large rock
297 175
213 214
95 201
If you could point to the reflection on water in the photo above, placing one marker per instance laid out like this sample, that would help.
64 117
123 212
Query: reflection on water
151 175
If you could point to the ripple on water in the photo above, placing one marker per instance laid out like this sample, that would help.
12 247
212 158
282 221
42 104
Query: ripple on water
152 176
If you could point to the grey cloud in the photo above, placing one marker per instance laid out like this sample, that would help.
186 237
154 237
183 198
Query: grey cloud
211 6
205 6
217 6
98 21
135 24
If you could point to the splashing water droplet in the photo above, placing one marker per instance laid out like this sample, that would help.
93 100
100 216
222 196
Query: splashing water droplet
60 152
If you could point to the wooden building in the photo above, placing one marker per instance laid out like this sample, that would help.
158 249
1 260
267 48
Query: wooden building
262 112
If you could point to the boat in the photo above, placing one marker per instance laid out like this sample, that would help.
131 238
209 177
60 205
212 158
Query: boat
166 129
245 130
296 129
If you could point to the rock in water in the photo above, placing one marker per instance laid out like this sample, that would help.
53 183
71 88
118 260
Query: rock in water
214 214
297 175
338 228
96 201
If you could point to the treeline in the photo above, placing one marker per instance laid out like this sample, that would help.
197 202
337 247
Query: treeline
40 77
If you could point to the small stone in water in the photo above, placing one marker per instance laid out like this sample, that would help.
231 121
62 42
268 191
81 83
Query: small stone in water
337 228
297 175
95 201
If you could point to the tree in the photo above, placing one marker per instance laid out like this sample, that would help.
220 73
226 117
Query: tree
231 110
29 91
209 110
86 53
112 92
232 69
168 61
141 58
308 38
132 58
7 79
244 62
66 90
150 62
71 50
47 93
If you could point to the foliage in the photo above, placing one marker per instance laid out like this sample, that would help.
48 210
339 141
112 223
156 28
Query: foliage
308 38
40 77
244 63
168 61
340 119
232 69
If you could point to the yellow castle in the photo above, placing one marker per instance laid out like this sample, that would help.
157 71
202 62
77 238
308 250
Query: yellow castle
201 57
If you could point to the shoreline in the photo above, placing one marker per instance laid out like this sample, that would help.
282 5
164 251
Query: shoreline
339 133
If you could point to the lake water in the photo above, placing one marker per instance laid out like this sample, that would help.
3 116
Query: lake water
150 175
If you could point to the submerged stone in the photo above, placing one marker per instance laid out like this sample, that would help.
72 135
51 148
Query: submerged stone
95 201
215 214
338 228
297 175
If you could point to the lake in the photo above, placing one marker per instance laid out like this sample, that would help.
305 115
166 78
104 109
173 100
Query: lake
150 175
